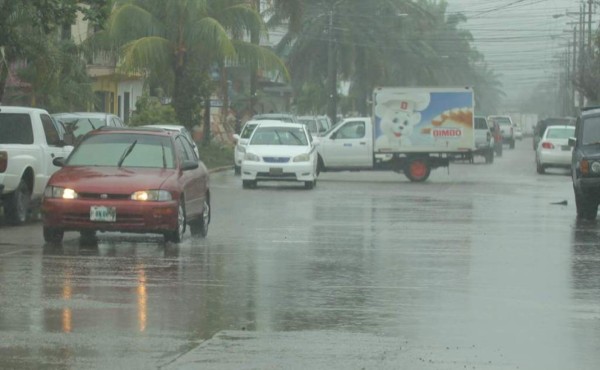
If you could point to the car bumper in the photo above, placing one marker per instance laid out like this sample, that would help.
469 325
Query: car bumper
136 217
560 158
260 171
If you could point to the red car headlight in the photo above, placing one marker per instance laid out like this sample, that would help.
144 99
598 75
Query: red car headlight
58 192
152 196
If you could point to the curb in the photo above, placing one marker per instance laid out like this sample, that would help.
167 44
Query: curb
220 169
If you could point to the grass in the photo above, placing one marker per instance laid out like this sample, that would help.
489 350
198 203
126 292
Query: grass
215 155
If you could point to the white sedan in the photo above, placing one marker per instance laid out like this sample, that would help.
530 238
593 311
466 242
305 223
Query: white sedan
553 150
279 151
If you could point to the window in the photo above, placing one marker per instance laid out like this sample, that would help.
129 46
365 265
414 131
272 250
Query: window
591 130
15 128
52 136
116 122
149 151
351 130
279 136
181 149
189 150
248 130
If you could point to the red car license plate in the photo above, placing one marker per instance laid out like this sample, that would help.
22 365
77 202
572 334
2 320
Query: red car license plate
103 214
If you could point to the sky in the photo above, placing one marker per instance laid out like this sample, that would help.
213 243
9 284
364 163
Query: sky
523 40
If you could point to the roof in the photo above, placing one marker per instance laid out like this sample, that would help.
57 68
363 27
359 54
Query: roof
17 109
171 127
83 114
590 110
274 123
132 130
273 116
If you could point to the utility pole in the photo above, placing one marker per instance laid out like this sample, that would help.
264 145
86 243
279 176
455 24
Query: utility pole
254 39
581 54
332 72
590 2
574 73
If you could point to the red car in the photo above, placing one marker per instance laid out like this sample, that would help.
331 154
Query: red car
128 180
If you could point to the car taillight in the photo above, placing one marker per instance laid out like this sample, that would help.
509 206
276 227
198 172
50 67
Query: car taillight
547 145
3 161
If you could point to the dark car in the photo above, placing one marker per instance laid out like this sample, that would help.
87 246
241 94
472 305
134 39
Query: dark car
585 163
540 127
128 180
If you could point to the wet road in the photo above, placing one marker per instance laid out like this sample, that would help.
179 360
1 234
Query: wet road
473 269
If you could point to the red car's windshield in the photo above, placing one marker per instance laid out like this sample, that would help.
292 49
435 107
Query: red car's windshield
150 151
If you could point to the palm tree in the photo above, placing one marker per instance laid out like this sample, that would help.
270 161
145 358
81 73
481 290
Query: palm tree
381 42
181 42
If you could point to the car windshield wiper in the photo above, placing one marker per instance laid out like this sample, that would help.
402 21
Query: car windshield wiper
164 158
126 153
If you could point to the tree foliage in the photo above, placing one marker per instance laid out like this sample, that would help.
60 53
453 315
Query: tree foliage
386 42
28 29
179 43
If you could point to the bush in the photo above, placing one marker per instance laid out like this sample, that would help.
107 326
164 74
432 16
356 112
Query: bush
214 155
149 110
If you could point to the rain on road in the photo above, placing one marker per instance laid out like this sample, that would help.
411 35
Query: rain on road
478 268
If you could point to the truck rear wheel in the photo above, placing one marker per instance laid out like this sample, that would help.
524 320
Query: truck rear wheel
17 204
417 170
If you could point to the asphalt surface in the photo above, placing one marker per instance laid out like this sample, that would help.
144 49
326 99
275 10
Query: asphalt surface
484 267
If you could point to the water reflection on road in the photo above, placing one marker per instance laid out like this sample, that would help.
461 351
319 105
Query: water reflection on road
482 259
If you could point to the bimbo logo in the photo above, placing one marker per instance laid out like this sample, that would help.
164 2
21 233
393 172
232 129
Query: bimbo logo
447 133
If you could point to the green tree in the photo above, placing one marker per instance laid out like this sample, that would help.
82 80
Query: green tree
26 24
383 42
182 42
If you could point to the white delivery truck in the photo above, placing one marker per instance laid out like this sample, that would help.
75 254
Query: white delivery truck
412 130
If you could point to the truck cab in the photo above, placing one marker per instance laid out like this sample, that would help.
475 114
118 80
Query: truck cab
347 146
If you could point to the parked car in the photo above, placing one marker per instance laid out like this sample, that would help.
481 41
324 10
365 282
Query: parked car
316 126
128 180
178 128
506 129
241 142
80 123
284 117
541 126
279 151
585 163
553 149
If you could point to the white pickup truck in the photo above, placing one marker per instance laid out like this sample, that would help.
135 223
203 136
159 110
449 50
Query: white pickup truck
413 130
29 140
484 140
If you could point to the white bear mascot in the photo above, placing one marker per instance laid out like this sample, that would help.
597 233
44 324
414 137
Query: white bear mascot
399 115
